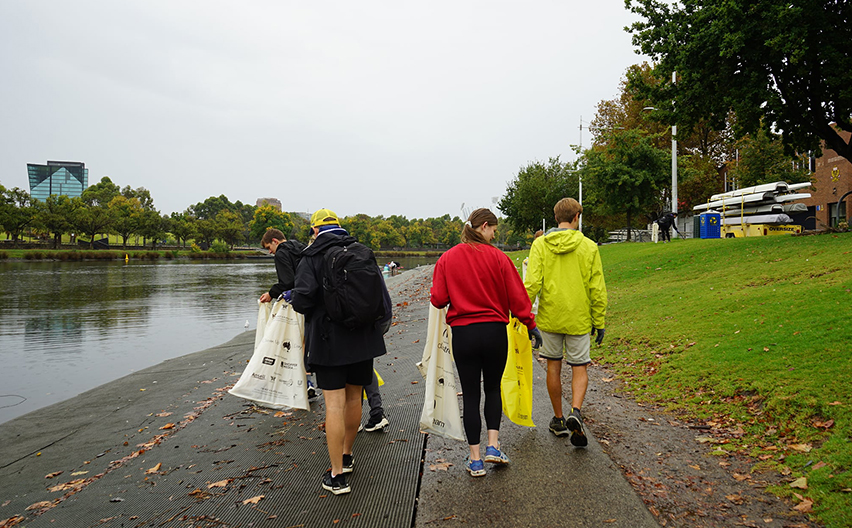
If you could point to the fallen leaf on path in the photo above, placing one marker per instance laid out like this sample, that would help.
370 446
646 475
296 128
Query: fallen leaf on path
54 474
11 521
804 448
736 499
78 473
167 426
220 484
253 500
739 478
824 425
835 403
67 485
695 466
819 465
154 469
607 380
806 506
800 483
39 505
163 414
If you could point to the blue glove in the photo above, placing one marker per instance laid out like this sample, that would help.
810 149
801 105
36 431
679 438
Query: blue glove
535 337
599 339
287 295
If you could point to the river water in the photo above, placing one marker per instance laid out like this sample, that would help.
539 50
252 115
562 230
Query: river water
67 327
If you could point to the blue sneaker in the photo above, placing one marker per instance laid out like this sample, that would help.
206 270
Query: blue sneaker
492 454
475 467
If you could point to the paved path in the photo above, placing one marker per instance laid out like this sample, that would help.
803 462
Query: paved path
169 447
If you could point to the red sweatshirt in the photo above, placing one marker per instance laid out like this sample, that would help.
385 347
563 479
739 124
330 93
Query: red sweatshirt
481 285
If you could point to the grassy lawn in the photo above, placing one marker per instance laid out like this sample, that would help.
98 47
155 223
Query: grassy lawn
752 336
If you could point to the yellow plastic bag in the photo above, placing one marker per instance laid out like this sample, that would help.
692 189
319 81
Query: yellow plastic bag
381 382
516 388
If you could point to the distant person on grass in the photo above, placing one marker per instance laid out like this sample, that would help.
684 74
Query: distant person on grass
666 222
340 357
565 273
482 287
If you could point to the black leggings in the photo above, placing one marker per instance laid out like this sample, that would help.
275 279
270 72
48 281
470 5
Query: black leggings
480 351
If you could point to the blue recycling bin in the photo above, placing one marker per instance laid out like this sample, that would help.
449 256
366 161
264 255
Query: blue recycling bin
711 225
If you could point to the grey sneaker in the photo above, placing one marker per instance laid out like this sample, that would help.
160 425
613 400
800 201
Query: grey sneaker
574 422
348 463
558 427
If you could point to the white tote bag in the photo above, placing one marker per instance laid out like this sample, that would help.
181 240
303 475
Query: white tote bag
440 414
275 375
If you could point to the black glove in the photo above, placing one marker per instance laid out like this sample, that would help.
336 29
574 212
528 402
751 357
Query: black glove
600 331
535 337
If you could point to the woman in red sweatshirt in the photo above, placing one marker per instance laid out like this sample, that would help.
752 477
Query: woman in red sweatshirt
482 287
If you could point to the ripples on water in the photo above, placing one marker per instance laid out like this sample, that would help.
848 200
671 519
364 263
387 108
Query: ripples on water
69 327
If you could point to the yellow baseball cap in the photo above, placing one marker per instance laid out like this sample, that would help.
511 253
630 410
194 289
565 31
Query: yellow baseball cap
324 217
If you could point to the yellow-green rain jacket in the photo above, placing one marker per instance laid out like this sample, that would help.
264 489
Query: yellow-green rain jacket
566 274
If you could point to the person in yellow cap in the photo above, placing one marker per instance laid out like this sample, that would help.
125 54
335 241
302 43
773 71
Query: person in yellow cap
340 356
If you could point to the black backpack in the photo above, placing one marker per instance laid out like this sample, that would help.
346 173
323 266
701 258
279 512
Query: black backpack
353 286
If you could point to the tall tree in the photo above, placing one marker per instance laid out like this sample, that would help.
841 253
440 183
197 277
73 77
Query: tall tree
780 63
17 211
762 160
182 227
531 195
56 214
127 216
101 193
230 227
266 217
626 174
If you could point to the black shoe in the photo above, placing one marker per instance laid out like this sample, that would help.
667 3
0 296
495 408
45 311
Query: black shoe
336 485
377 425
348 463
558 427
574 422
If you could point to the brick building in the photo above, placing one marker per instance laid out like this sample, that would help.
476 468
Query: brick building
832 179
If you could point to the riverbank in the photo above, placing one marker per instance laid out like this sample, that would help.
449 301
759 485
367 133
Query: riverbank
167 446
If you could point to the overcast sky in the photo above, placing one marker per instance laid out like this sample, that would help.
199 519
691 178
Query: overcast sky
409 108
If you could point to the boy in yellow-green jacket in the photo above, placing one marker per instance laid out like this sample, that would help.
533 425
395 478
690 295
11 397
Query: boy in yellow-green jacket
565 272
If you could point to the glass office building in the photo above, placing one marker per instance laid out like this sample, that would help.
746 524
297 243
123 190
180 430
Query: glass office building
57 177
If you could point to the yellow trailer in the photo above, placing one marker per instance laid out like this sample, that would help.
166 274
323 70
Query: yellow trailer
752 230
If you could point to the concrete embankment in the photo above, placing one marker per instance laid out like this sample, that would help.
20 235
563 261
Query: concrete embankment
168 446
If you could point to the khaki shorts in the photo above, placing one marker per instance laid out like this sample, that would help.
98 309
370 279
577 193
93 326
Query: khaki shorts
574 348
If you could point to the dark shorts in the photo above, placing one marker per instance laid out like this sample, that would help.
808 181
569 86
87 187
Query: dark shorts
332 378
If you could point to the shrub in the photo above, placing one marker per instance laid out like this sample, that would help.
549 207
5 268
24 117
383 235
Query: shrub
3 255
194 248
219 247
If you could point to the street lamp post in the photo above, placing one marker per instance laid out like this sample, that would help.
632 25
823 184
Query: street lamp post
674 158
674 154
